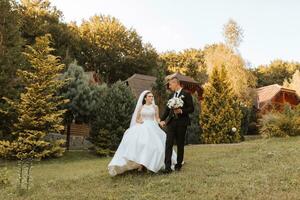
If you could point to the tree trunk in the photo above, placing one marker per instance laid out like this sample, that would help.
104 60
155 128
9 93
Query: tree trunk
68 135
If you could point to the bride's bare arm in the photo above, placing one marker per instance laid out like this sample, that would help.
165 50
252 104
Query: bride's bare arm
157 114
139 117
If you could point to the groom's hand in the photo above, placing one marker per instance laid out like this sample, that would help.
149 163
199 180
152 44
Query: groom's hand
162 123
178 111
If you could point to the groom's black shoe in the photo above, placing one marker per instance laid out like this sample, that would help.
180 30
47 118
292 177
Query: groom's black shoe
178 167
167 171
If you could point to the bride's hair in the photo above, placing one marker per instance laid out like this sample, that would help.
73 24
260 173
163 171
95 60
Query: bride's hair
144 98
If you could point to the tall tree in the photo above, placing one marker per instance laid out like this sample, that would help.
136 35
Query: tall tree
11 59
114 51
241 79
294 82
220 112
189 62
39 18
233 34
160 90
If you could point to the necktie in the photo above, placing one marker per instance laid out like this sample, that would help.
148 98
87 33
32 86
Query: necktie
176 94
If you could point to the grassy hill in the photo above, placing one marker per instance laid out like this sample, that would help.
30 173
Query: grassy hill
258 169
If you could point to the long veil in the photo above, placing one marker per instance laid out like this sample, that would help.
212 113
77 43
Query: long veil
137 107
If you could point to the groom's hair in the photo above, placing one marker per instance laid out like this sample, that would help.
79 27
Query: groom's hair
144 101
174 78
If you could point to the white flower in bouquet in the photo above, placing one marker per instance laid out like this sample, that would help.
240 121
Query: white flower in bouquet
233 129
175 102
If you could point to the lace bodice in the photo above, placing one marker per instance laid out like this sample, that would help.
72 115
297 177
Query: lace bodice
148 112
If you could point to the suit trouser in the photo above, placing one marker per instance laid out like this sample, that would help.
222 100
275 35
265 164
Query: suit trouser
175 131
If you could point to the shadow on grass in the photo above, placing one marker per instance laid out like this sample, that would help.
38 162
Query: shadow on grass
136 173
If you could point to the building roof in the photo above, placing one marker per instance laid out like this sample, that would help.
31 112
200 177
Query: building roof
139 82
93 77
267 93
181 78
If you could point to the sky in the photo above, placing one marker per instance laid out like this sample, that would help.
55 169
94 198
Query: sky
271 27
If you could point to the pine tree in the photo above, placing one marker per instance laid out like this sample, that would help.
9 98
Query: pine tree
112 118
83 96
294 82
38 108
194 130
160 91
221 117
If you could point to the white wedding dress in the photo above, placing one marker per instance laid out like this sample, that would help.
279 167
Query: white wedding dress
142 144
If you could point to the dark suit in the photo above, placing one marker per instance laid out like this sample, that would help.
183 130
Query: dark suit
176 128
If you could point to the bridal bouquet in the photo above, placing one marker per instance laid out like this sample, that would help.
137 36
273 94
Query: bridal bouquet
174 103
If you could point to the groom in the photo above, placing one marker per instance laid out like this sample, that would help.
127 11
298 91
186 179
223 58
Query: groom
176 127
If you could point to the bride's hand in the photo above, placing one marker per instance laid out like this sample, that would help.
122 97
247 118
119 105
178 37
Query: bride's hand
140 121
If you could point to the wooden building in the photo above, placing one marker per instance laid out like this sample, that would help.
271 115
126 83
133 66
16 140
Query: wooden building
93 77
275 97
187 83
138 83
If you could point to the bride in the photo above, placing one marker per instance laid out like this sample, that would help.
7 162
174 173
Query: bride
143 144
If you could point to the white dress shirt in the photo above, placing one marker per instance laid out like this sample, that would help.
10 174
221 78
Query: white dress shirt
178 92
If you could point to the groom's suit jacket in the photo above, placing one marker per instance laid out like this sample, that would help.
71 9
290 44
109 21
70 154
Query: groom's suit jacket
188 107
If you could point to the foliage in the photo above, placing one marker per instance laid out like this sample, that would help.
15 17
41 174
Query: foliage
11 60
233 34
112 117
160 91
294 82
103 142
82 94
37 109
194 131
39 17
241 80
276 72
3 177
10 46
281 124
114 51
245 121
189 62
220 115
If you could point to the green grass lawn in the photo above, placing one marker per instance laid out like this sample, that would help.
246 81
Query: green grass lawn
258 169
